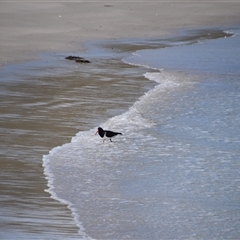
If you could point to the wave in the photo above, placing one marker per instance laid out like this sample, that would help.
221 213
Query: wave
64 164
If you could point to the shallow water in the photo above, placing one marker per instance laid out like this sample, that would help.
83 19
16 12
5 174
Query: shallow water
44 104
175 171
173 174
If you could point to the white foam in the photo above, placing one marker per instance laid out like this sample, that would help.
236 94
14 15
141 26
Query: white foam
50 178
82 150
233 32
135 55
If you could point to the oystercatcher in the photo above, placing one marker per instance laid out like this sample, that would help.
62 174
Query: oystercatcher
106 134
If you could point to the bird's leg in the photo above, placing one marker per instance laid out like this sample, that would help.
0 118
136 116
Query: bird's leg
111 140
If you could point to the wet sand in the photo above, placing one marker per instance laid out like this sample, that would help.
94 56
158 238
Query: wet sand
28 28
41 112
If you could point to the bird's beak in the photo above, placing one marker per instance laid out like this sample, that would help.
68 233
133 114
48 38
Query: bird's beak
96 132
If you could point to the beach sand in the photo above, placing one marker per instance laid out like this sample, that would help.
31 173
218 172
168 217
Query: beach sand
38 114
30 27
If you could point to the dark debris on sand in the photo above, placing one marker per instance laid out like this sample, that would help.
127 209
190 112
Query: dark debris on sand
77 59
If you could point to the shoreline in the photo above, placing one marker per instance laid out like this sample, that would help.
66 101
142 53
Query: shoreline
174 39
66 127
76 139
48 27
29 43
56 63
42 111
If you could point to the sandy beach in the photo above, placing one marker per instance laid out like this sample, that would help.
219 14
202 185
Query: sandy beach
28 28
41 110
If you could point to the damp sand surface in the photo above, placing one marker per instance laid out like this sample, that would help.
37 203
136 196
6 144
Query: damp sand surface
45 101
44 111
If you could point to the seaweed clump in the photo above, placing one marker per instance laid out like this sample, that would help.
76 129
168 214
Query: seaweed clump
77 59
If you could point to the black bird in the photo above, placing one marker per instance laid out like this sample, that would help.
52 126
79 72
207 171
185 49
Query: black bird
106 134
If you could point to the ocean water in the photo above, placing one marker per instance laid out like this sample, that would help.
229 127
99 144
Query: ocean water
174 173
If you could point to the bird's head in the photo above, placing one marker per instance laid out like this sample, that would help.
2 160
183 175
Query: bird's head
99 130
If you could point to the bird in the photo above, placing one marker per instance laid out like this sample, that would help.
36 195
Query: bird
107 134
